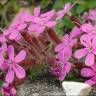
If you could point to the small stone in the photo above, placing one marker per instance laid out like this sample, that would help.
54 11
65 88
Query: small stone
76 88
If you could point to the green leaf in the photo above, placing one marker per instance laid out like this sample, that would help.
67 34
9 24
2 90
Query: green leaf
67 22
90 3
58 4
80 9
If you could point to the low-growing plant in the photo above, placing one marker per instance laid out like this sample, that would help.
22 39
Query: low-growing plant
25 45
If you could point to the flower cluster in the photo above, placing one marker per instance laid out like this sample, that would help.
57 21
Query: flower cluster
23 44
26 42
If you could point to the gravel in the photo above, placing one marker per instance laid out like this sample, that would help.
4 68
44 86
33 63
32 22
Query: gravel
39 88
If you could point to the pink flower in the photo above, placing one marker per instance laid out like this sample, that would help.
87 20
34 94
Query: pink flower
65 9
41 21
14 67
90 73
65 47
18 24
64 51
89 50
7 90
61 69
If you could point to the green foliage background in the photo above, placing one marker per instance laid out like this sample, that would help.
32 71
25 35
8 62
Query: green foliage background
8 8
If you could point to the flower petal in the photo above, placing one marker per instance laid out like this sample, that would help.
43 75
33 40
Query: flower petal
13 34
50 24
86 40
13 91
87 72
59 47
3 48
10 75
22 26
65 54
36 11
89 59
87 28
75 32
80 53
40 30
19 71
11 52
65 69
20 56
1 60
90 82
48 15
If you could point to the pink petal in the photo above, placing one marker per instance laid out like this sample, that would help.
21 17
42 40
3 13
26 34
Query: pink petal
14 34
20 56
94 67
94 42
67 7
19 71
73 42
32 28
59 47
40 29
4 66
2 38
86 40
36 11
48 15
90 82
92 14
13 91
11 52
3 48
89 59
80 53
75 32
19 36
87 28
66 39
87 72
67 66
7 31
65 54
21 26
1 60
10 75
51 23
60 14
65 69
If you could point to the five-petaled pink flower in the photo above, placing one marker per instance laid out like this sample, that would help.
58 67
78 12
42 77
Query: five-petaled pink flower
14 67
65 9
18 24
41 21
61 68
65 47
89 50
89 73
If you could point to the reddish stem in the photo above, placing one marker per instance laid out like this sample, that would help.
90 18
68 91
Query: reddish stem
54 36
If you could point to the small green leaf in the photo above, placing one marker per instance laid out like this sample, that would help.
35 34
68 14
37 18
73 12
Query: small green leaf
67 22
